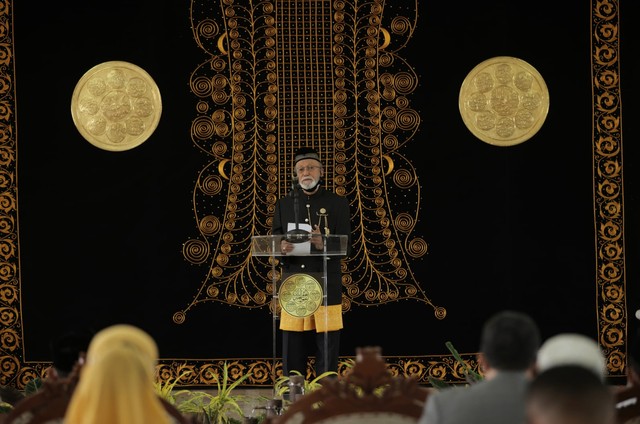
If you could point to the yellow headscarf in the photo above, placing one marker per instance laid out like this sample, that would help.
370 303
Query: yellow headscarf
116 382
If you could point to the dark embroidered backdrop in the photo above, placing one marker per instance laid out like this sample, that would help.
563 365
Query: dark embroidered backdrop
447 229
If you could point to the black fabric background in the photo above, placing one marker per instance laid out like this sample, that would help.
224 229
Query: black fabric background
101 232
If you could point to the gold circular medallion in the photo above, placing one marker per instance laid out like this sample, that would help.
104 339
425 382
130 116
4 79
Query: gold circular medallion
504 101
116 106
300 295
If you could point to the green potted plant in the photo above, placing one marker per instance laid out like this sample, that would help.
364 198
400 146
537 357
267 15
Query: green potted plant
282 384
223 407
166 389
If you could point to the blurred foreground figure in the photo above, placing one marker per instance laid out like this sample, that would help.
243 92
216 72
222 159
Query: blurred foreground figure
116 384
569 394
508 347
571 349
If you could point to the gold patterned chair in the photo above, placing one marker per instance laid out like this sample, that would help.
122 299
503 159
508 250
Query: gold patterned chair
369 393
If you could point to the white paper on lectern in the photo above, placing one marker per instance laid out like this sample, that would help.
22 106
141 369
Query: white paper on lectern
304 248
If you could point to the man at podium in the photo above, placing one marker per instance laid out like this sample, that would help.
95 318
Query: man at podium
308 210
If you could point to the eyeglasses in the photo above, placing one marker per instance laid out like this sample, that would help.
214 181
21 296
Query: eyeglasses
309 168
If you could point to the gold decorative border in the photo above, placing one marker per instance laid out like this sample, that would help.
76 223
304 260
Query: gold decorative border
608 183
14 370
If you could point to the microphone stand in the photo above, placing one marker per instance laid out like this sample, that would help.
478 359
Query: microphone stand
296 235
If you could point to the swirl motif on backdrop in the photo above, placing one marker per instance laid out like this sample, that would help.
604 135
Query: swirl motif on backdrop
608 195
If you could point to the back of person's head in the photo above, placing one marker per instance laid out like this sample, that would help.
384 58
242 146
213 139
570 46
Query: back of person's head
633 371
124 334
67 349
116 381
633 358
571 349
510 340
569 394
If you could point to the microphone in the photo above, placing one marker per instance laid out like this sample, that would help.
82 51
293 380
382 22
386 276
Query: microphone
294 182
295 188
296 235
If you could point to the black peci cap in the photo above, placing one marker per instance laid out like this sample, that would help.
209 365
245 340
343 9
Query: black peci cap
306 153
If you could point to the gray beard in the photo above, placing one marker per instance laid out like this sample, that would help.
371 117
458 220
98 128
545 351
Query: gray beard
312 188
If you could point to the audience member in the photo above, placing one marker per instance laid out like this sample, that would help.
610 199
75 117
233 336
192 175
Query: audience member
116 381
569 394
48 404
628 397
509 342
10 395
125 385
633 370
67 349
571 349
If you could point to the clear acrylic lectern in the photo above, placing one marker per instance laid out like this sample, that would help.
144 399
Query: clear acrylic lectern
333 245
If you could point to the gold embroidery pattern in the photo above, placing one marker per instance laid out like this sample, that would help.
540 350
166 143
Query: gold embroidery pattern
288 74
608 196
14 371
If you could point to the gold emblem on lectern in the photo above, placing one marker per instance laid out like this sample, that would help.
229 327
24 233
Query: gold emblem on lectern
116 106
504 101
300 295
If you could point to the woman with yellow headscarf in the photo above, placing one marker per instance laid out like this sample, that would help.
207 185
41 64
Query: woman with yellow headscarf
116 383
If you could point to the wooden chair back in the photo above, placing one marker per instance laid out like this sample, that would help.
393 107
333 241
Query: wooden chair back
627 404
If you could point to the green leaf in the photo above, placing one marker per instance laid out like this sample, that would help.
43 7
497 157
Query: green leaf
219 408
166 389
471 375
5 407
281 385
437 383
32 386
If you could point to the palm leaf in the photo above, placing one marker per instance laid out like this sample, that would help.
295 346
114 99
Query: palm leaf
471 375
32 386
218 408
166 389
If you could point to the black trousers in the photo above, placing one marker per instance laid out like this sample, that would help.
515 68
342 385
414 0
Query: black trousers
296 346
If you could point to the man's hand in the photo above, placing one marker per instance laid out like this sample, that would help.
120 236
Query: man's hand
285 246
316 238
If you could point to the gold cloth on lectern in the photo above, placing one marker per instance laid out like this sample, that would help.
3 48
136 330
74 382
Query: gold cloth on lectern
324 319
